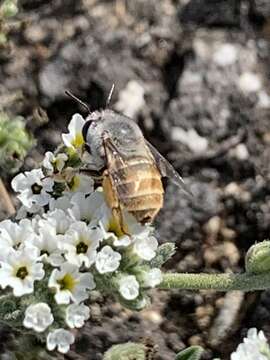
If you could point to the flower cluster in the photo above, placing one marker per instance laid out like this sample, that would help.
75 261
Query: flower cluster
254 347
66 243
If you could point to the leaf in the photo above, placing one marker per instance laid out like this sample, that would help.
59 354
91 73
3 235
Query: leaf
190 353
163 254
127 351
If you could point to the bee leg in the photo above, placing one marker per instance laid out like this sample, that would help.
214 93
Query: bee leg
118 216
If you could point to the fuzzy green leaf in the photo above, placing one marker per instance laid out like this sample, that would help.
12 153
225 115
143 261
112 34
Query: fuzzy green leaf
128 351
191 353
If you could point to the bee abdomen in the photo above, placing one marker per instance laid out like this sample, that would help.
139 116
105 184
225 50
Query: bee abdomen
139 189
142 198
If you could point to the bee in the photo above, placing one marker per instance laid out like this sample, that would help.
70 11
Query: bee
130 168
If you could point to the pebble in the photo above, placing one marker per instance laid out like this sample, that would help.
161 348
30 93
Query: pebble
190 138
233 189
213 225
35 33
263 100
152 316
226 250
131 99
225 55
240 152
195 340
249 82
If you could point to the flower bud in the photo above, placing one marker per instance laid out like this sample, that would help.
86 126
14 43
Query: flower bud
163 254
8 8
3 39
15 143
137 304
126 351
258 258
190 353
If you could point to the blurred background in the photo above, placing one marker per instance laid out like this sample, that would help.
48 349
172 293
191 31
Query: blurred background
194 74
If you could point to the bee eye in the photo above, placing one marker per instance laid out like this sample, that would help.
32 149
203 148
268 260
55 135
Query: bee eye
85 129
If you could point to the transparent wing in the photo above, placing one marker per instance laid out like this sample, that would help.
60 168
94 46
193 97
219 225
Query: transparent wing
114 158
167 170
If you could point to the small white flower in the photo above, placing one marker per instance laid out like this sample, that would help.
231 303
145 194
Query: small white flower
20 269
153 277
74 138
70 284
254 347
81 244
48 244
15 235
107 260
54 163
34 188
24 211
38 317
60 339
62 203
113 231
76 315
81 183
58 220
129 287
85 208
145 247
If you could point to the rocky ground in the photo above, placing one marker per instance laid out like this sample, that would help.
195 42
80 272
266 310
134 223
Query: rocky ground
195 75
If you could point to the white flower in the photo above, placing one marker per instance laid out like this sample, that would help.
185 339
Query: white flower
129 287
74 138
81 244
24 211
145 247
153 277
60 339
34 188
38 317
76 315
107 260
86 208
62 203
254 347
54 163
57 220
20 269
70 284
48 244
15 235
112 229
81 183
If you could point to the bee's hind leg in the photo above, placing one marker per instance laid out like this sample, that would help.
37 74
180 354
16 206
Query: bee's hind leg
118 216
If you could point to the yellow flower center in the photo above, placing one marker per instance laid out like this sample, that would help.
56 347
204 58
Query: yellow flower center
67 282
78 141
74 183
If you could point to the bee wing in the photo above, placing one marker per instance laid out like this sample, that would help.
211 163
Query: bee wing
167 170
114 158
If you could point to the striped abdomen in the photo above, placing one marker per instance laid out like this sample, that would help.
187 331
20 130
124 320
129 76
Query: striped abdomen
136 187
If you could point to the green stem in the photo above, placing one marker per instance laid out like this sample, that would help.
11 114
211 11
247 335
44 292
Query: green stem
219 282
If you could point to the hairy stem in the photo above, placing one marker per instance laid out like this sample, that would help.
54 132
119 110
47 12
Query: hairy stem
219 282
6 200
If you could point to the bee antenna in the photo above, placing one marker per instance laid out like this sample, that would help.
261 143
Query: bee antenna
78 100
110 96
